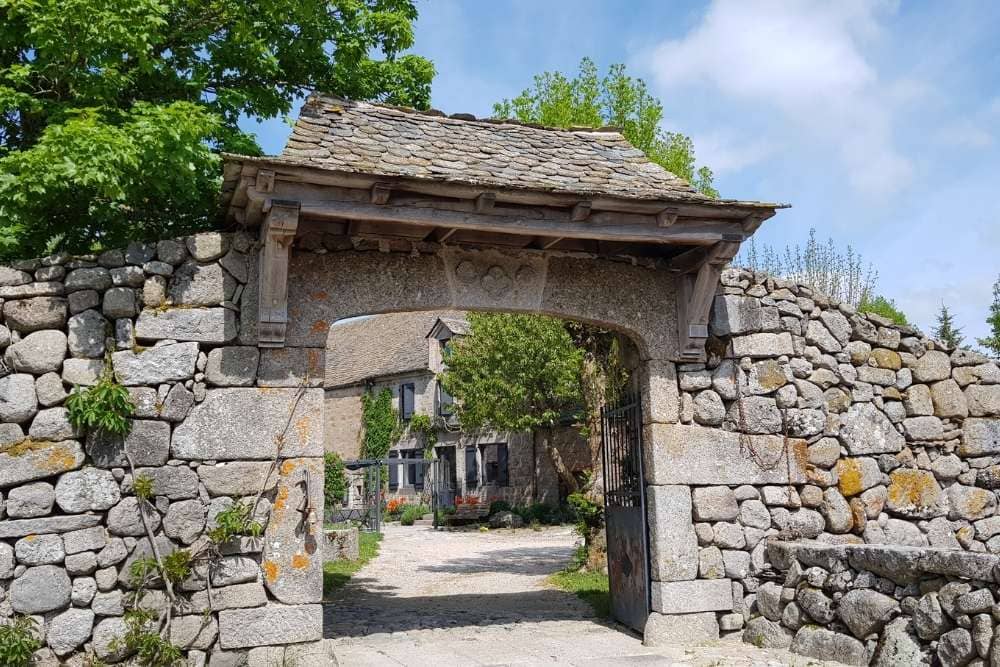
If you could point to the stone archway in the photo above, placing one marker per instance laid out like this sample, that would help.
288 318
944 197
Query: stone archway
373 209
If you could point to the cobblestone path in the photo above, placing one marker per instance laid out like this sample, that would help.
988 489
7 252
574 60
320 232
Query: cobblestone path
435 599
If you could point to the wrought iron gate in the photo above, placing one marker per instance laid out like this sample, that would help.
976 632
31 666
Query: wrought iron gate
625 511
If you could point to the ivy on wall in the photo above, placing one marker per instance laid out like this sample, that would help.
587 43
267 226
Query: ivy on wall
381 428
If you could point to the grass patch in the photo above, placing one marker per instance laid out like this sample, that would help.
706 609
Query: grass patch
336 573
591 587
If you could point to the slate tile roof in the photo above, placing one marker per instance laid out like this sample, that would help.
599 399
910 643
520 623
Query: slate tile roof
360 137
379 346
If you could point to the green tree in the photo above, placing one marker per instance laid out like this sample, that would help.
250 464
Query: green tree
618 100
823 267
992 341
517 373
113 112
880 305
945 329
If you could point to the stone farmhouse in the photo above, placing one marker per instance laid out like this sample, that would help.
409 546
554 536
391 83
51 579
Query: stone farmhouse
404 353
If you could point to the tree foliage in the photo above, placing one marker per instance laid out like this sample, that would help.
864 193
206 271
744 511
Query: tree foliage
618 100
880 305
945 329
513 372
992 341
823 267
112 113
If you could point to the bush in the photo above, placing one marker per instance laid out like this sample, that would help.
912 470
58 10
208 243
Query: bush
589 514
412 513
544 514
499 506
334 480
18 641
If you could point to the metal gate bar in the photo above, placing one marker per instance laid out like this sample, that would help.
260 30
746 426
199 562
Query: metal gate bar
625 510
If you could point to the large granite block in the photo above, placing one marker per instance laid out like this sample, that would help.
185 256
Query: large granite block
677 454
689 597
234 424
271 624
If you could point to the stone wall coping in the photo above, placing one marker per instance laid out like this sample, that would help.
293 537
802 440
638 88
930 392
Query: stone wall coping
902 564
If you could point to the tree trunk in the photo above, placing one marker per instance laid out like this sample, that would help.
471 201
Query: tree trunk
548 443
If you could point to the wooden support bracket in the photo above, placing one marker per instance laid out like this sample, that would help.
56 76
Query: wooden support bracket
580 212
695 293
265 181
277 232
380 193
666 217
485 202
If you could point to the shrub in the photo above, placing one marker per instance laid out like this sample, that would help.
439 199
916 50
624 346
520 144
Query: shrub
103 408
412 513
334 480
18 641
589 514
499 506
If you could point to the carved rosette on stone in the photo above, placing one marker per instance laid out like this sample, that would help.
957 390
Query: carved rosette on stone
495 280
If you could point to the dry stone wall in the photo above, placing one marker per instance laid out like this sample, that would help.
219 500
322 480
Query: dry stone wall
212 416
813 422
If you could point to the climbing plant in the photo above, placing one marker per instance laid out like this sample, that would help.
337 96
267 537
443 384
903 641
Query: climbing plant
334 479
421 426
380 424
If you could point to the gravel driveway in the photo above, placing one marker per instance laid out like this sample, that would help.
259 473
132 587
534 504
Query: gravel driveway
435 598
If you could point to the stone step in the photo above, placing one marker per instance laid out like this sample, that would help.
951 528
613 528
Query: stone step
424 522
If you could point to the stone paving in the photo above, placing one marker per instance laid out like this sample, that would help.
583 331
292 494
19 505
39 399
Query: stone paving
469 598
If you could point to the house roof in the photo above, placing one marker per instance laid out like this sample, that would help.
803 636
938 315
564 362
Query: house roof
366 138
458 326
379 346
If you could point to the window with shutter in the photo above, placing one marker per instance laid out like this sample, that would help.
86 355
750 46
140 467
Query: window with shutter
406 396
495 472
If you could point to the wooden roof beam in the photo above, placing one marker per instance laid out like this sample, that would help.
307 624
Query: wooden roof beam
695 294
604 226
485 202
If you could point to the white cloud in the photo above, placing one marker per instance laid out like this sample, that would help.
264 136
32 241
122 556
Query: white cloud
727 150
804 60
965 135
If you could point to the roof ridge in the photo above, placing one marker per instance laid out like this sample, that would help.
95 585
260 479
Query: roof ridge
466 117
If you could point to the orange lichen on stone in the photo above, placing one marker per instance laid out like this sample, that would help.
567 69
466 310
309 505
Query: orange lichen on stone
849 477
319 327
287 467
281 499
771 376
270 570
315 362
303 427
913 488
319 296
59 458
799 452
300 561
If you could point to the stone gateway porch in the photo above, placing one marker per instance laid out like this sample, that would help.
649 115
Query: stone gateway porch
814 478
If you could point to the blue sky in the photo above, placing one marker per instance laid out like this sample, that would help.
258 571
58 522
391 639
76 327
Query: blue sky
878 121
